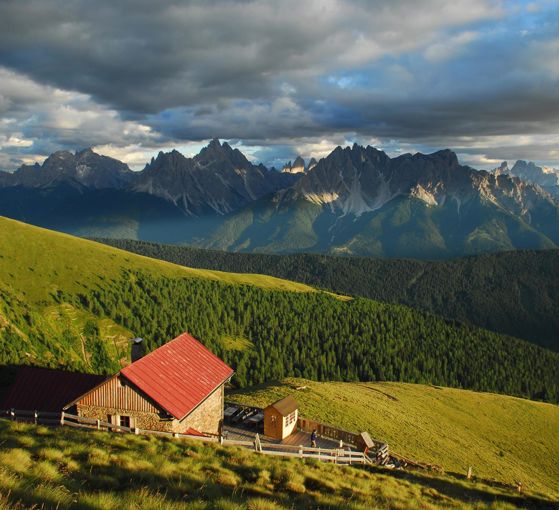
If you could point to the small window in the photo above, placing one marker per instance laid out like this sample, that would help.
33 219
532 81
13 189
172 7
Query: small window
109 418
290 418
125 421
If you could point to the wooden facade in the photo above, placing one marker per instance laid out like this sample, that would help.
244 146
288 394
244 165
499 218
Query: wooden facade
119 402
177 388
280 418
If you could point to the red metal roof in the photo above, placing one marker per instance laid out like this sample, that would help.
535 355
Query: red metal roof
47 389
179 375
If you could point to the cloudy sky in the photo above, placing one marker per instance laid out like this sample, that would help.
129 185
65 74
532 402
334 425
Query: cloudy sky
279 78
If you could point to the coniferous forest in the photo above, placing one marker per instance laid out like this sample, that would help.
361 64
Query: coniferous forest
268 335
515 293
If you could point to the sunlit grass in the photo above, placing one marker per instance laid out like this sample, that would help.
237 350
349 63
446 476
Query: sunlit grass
66 468
503 438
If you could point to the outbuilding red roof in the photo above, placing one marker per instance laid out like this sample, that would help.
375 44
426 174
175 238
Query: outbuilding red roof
178 375
47 389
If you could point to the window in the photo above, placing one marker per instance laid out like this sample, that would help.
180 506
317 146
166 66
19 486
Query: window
124 421
109 418
290 418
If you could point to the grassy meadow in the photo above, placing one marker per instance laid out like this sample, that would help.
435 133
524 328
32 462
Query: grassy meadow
38 262
503 438
65 468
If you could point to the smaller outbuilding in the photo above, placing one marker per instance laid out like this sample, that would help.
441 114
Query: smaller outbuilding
280 418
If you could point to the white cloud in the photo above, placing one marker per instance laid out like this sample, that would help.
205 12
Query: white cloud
38 119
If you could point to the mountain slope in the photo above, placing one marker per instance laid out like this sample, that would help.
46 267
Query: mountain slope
501 437
359 201
38 266
73 468
256 323
515 293
85 168
356 201
218 180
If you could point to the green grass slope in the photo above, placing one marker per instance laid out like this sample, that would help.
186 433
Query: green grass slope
66 468
36 265
31 256
503 438
73 303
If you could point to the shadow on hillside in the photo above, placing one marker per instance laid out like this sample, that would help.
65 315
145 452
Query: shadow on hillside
472 494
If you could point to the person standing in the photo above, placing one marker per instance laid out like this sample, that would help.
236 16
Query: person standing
313 439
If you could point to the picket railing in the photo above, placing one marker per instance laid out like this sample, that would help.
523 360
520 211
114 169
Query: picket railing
36 417
337 455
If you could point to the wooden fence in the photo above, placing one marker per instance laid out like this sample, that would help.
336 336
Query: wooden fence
323 430
36 417
337 455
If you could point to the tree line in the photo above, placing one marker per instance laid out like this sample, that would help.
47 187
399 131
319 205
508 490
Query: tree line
516 293
320 337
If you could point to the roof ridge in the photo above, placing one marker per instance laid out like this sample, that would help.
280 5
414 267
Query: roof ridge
201 373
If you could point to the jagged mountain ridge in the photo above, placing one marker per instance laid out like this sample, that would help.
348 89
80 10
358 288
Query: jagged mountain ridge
360 201
299 166
219 180
546 177
363 179
357 200
85 168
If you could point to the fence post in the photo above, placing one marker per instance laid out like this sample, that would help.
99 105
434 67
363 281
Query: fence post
13 413
301 450
136 430
62 419
469 472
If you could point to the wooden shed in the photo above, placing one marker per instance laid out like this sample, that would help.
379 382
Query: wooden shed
280 418
179 387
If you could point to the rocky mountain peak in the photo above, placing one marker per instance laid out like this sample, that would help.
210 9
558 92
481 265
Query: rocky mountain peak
219 180
216 152
298 166
447 156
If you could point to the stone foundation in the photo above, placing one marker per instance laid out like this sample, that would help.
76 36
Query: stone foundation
205 418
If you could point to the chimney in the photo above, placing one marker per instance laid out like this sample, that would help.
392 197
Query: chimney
138 349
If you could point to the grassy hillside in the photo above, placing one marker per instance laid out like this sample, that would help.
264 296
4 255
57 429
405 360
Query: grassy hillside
65 468
515 293
36 265
502 438
73 303
31 256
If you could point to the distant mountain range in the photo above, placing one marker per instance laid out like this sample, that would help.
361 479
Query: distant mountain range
356 201
546 177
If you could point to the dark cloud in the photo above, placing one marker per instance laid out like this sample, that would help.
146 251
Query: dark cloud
278 74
